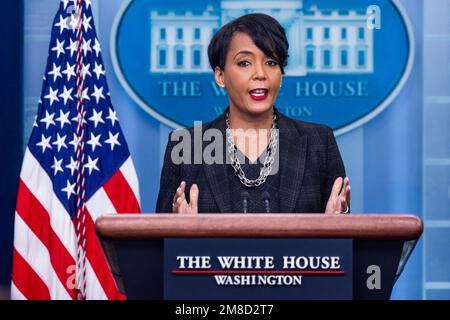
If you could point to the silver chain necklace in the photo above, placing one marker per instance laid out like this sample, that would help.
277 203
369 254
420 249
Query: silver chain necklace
268 161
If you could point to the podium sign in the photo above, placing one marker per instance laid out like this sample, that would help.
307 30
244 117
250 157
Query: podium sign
233 256
263 269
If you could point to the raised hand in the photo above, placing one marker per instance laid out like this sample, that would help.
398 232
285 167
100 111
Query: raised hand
179 202
339 201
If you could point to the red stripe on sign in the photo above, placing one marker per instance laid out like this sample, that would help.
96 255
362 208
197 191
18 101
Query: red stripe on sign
272 272
37 219
94 254
27 281
121 194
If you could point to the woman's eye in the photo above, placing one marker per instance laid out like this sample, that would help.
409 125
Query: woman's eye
243 63
272 63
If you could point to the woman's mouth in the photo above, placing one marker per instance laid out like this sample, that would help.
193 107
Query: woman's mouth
259 94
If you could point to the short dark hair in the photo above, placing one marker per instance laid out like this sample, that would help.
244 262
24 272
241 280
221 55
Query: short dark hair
266 32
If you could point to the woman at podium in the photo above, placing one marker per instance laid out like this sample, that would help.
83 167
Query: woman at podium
252 158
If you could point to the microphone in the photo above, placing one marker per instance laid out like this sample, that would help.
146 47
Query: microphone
245 196
266 198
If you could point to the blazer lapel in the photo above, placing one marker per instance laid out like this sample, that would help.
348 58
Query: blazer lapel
218 182
292 158
217 174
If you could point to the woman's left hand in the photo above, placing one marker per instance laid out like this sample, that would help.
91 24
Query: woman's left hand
339 201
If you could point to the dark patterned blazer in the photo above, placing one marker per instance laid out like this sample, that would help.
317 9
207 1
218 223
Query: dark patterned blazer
309 163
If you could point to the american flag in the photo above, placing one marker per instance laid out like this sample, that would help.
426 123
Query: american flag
76 167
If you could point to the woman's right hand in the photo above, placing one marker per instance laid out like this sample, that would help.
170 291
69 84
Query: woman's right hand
179 202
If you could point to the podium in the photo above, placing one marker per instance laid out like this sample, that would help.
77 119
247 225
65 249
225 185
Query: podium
275 256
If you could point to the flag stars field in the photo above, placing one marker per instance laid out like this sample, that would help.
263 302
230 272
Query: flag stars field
73 166
48 120
85 70
98 70
69 71
69 189
87 23
91 165
98 94
75 141
113 140
63 118
112 116
73 47
44 143
59 48
86 46
60 142
96 118
66 95
57 166
97 47
62 24
56 72
94 141
52 96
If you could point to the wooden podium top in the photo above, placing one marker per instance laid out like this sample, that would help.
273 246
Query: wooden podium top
356 226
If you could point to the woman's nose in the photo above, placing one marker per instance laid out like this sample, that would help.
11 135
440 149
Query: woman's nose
260 73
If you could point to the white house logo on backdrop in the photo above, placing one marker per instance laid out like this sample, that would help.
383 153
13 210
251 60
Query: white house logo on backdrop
341 71
320 41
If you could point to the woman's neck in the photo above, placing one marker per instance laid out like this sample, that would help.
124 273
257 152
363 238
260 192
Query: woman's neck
251 133
246 121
